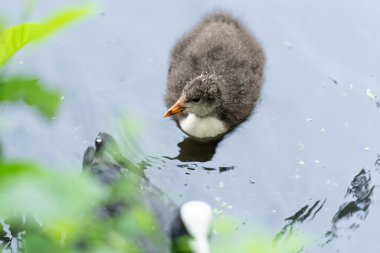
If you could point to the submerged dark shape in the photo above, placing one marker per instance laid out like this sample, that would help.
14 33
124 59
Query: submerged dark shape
347 219
215 77
306 213
351 213
377 164
106 162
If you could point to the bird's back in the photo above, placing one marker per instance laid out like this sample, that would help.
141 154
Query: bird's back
222 46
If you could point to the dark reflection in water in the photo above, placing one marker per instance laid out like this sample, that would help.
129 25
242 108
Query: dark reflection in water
350 215
306 213
191 150
353 212
377 164
159 163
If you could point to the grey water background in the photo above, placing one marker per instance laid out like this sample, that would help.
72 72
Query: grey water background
315 129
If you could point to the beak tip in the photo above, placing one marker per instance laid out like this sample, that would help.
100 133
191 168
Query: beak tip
176 108
166 114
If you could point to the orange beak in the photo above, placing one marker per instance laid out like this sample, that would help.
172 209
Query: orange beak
176 108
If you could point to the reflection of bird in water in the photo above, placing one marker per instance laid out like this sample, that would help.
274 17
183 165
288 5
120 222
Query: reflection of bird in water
306 213
191 221
351 213
215 77
349 216
191 150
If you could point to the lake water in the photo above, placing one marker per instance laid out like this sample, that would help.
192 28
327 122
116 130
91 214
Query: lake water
308 153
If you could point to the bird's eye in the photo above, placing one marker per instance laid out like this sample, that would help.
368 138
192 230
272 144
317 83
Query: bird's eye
196 100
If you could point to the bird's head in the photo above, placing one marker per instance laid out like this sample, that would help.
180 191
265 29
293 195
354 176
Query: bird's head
200 96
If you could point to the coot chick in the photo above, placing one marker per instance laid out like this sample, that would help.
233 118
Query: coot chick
215 77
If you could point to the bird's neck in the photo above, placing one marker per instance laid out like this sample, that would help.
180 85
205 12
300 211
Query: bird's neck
202 127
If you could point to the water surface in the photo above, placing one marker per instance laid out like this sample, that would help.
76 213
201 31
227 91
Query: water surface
304 162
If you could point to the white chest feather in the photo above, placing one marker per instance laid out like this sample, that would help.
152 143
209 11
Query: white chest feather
207 127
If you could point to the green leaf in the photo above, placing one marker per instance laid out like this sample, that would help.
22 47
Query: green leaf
16 37
32 92
40 243
10 170
60 199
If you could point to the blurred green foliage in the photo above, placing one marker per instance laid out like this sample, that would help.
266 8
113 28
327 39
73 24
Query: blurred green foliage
29 89
32 92
28 189
68 212
76 213
229 240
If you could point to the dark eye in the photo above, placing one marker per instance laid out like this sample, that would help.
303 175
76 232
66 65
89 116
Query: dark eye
196 100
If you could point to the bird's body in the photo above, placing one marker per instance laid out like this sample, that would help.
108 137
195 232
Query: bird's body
192 219
227 62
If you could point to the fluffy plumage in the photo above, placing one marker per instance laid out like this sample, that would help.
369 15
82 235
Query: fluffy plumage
222 62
